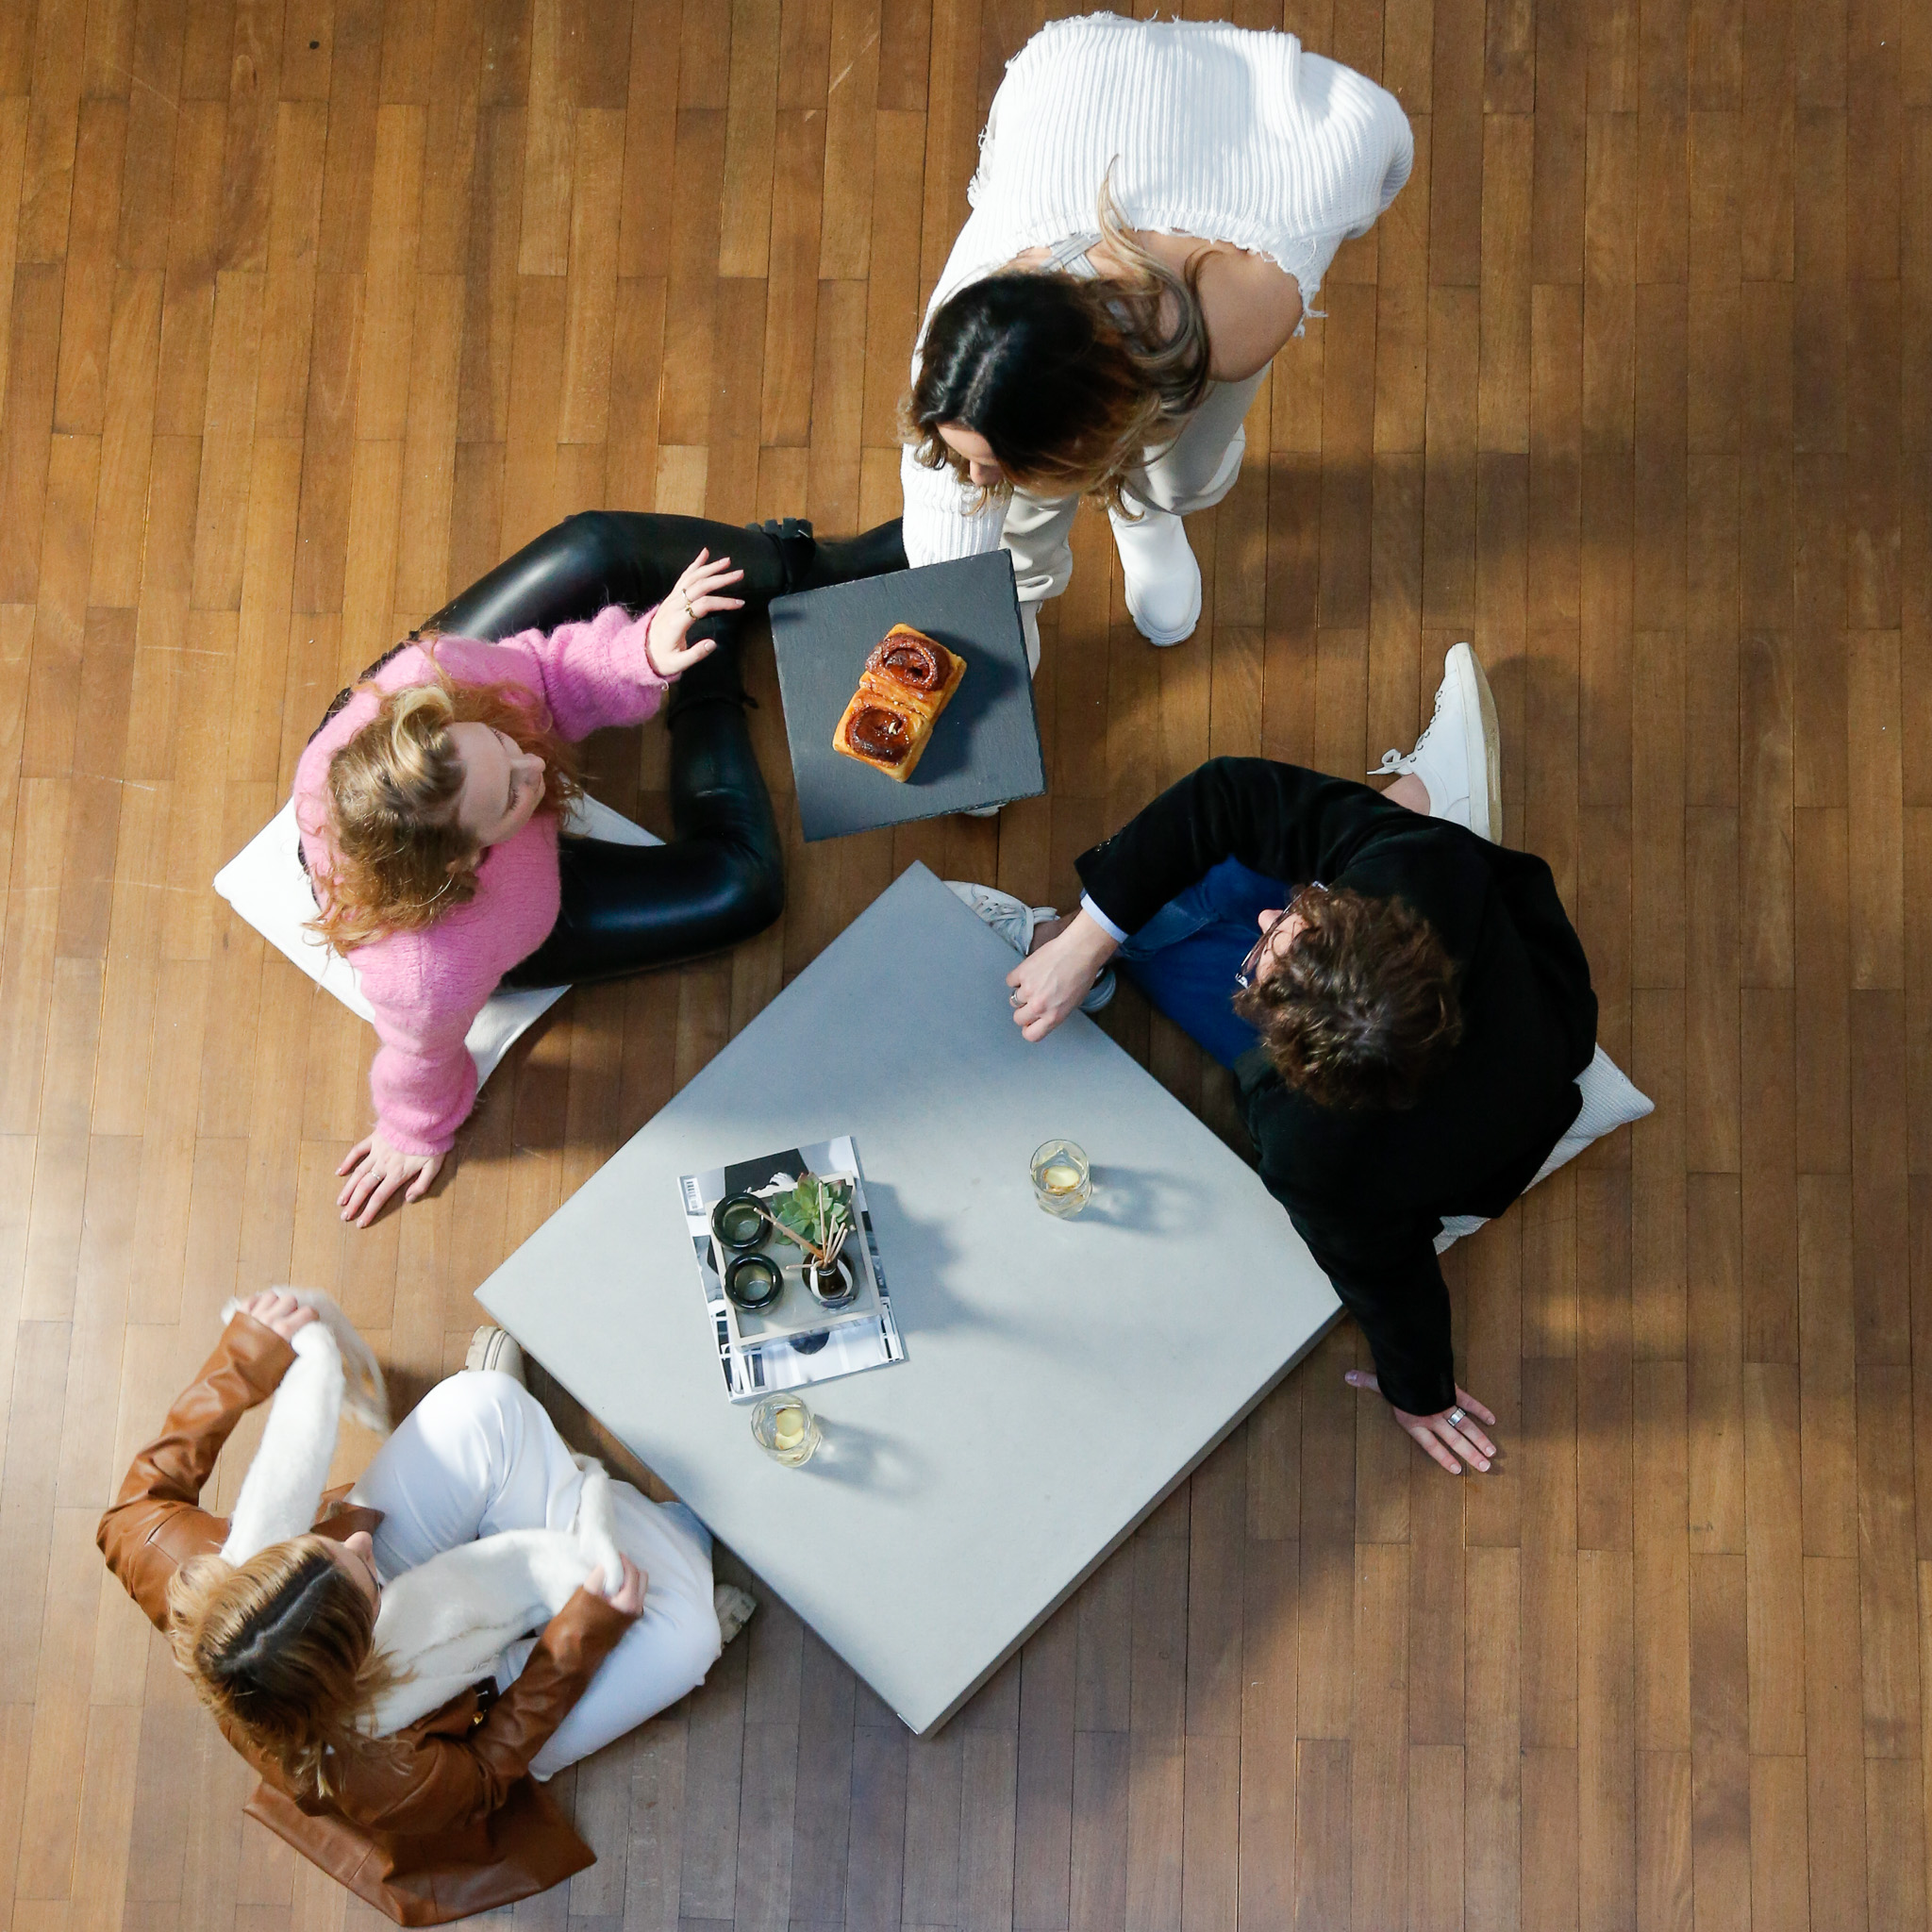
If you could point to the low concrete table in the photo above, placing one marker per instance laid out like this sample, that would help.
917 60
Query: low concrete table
1062 1377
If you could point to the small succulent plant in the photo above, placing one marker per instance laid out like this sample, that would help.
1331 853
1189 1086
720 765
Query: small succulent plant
818 1213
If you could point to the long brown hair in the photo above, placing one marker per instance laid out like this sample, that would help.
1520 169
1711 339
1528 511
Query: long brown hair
1069 380
282 1649
399 859
1361 1010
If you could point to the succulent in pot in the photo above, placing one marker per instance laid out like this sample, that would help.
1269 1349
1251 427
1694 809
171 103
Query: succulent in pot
816 1214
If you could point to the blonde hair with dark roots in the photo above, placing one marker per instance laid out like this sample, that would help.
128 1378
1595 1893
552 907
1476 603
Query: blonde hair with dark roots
1361 1010
1070 380
399 859
281 1648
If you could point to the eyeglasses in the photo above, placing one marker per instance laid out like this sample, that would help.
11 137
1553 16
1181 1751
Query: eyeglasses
1246 972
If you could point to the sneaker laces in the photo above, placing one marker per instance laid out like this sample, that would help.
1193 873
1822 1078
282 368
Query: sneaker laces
996 909
1394 763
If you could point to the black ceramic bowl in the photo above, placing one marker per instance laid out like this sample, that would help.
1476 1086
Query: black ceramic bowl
753 1281
738 1223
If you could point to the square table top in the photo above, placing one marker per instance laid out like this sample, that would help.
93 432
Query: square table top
1060 1376
985 748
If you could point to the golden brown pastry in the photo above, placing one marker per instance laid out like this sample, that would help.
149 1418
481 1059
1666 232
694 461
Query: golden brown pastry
907 668
878 732
908 681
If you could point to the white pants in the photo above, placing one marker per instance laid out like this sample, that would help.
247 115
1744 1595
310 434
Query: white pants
477 1455
1193 472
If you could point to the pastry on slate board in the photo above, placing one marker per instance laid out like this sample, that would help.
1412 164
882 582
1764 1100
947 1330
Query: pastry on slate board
908 681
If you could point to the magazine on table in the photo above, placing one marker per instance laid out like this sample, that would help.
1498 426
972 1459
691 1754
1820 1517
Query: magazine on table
758 1358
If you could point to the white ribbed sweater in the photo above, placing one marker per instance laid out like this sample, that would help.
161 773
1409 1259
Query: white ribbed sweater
1211 130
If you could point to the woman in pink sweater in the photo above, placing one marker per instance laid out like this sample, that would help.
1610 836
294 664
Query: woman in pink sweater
430 798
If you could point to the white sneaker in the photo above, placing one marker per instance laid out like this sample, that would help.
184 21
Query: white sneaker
1014 921
492 1347
1164 578
1458 758
734 1608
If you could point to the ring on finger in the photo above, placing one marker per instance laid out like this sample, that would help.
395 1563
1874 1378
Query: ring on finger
1456 1418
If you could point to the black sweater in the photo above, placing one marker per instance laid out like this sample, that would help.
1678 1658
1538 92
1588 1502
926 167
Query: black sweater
1367 1189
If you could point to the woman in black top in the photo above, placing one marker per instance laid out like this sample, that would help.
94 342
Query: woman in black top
1424 1011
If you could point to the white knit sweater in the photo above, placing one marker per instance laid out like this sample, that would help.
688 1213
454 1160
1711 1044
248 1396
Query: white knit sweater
1214 131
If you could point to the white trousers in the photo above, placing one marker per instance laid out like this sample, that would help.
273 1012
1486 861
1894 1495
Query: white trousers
477 1455
1193 472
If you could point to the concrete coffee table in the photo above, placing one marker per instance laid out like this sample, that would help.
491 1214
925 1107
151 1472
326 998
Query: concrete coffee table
1060 1376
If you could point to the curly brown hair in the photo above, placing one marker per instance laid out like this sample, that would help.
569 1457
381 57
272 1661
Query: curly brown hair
1361 1010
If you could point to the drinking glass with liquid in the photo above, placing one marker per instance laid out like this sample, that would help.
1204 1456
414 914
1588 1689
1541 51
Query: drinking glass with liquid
785 1429
1062 1183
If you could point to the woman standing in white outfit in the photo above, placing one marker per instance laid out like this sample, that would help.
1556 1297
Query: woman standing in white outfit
1155 207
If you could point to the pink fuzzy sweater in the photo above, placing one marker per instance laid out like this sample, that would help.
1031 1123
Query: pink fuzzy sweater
428 986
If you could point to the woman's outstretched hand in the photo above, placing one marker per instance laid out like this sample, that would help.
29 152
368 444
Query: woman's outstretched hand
1050 983
1443 1440
376 1171
627 1599
693 596
278 1310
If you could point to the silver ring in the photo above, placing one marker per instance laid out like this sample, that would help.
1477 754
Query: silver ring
1456 1418
1012 999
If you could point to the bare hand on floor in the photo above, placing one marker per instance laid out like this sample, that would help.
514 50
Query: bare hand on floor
1443 1440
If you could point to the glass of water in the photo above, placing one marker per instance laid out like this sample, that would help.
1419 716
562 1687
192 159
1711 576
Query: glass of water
785 1429
1062 1183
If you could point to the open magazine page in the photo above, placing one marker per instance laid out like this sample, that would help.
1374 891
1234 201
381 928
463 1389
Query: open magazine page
753 1369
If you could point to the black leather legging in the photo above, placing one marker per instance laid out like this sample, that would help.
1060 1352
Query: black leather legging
721 878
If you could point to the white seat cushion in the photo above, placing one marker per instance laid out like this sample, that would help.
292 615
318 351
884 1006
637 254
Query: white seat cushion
264 882
1609 1101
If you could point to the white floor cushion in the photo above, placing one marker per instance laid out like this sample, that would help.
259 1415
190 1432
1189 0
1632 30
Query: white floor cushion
1609 1101
264 882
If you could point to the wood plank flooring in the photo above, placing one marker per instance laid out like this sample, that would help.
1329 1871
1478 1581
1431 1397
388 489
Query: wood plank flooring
312 310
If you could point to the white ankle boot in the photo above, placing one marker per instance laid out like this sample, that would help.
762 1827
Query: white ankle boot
492 1347
734 1608
1163 578
1458 758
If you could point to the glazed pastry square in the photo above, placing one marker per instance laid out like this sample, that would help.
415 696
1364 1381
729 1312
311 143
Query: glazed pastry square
908 681
884 728
912 671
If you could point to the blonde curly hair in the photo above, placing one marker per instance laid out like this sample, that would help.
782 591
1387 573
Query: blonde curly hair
399 859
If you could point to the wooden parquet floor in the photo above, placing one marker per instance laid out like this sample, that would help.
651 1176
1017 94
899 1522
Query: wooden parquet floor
311 310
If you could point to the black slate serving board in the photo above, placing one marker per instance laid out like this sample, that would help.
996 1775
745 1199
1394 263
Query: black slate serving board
985 749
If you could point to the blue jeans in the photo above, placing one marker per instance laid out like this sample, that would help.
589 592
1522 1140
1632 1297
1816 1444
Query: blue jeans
1186 956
